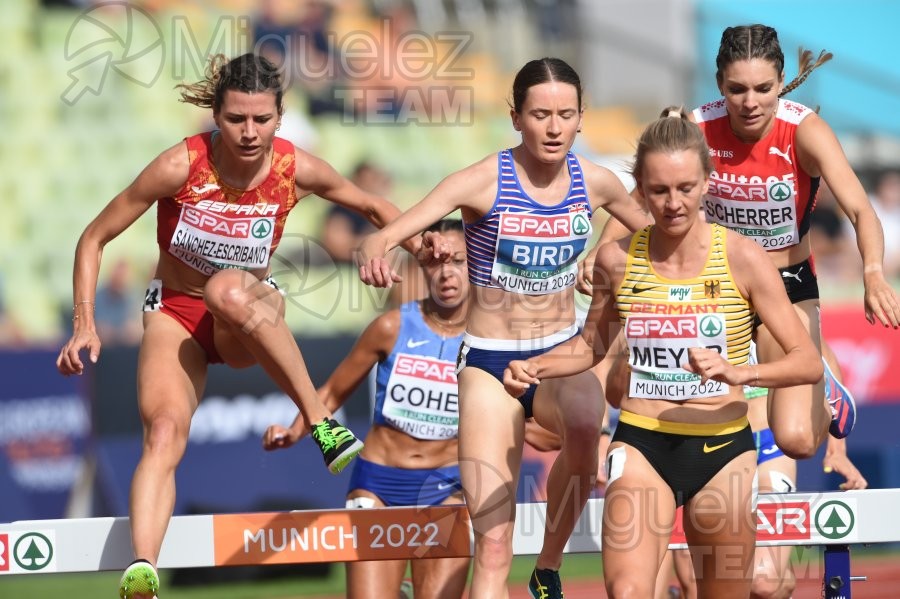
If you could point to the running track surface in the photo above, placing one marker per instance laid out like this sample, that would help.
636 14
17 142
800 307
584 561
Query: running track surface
883 583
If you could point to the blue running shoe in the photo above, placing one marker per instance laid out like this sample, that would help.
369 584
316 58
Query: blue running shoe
843 406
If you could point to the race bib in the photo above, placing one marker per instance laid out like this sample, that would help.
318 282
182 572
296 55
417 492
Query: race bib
422 398
658 349
209 241
537 254
763 210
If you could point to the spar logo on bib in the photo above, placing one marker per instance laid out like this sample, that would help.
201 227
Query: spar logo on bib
655 327
780 192
581 225
426 368
711 326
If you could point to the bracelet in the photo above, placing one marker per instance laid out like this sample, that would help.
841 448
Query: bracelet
75 315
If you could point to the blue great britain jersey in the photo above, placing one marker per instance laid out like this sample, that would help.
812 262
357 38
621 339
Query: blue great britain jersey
523 246
415 387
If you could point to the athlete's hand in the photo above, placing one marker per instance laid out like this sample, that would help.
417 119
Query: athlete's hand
837 461
434 249
280 437
584 283
374 268
602 449
881 300
709 364
69 360
518 377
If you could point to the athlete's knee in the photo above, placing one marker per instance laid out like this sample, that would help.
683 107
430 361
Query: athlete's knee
768 589
623 587
227 293
578 437
768 584
164 436
493 555
796 440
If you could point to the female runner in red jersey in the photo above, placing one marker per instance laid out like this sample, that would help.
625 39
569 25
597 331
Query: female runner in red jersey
223 198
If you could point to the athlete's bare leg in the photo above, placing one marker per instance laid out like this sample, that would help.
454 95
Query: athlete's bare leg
571 407
491 433
171 376
250 328
798 416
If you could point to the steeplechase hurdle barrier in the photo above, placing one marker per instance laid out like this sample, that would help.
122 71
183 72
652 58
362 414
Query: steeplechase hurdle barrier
835 520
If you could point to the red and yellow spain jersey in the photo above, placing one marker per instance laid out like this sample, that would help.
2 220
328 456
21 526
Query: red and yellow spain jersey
210 226
758 189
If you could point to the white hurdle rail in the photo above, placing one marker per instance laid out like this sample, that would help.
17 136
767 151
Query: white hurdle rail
837 519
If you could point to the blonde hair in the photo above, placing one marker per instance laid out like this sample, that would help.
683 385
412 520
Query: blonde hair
671 132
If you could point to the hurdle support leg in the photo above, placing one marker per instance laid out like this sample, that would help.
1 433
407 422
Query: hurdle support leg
837 572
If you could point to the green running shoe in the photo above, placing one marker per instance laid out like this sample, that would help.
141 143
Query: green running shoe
139 578
337 443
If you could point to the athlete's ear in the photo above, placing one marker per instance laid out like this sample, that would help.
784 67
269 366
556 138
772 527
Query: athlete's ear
515 119
705 186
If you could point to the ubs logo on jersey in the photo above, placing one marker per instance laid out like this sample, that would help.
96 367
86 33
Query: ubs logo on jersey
721 153
712 289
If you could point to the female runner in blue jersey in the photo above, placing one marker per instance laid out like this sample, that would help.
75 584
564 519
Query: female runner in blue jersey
527 214
410 456
685 294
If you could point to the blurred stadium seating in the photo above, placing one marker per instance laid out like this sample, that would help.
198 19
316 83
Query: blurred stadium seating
62 162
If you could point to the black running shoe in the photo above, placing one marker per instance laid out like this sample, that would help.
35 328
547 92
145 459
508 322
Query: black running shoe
545 584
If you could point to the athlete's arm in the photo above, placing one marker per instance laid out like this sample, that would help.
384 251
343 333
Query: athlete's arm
760 283
604 186
373 346
582 351
820 153
462 189
314 175
599 185
161 178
